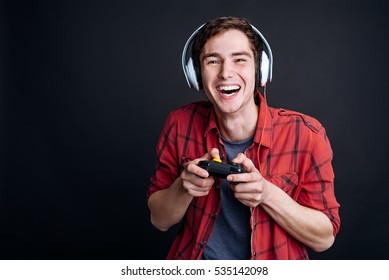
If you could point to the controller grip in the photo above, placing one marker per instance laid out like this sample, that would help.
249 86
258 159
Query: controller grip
221 170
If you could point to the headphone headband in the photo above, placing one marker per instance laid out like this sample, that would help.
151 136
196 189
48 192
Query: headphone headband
191 75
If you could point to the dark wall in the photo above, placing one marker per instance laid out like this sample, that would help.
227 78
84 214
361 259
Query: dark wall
86 86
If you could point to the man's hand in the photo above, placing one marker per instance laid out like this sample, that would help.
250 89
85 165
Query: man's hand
196 180
250 188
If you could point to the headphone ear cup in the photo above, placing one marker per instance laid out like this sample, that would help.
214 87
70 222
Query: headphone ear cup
192 75
264 69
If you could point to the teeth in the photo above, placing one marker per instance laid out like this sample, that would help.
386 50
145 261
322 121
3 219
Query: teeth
229 88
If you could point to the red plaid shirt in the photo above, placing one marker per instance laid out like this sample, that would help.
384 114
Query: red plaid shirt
294 153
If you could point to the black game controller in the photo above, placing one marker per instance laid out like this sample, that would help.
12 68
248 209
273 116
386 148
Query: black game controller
219 169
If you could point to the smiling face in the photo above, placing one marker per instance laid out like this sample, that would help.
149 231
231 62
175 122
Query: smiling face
228 72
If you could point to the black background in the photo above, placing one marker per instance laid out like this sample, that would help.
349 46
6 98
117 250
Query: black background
86 87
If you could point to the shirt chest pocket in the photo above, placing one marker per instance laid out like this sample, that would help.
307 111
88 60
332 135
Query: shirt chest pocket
288 182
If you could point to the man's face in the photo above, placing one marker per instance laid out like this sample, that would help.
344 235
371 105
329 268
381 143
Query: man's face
228 71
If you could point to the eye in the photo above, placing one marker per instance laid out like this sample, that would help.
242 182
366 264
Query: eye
240 59
210 62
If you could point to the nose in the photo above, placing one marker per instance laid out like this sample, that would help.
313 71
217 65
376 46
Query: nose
226 70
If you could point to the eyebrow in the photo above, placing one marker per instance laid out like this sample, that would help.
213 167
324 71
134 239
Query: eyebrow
244 53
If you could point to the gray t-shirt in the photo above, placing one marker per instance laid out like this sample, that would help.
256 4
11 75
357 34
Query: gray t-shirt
231 235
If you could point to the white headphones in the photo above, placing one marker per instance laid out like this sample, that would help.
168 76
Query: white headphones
191 75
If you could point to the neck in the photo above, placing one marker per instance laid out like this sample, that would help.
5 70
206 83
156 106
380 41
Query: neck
240 126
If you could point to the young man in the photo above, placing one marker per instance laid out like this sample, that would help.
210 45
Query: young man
284 203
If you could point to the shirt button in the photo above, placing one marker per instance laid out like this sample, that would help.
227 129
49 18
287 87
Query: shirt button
308 123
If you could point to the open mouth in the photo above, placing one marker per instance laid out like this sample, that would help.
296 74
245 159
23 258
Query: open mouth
228 90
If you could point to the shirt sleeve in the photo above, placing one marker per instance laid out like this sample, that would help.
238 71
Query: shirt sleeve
167 167
317 189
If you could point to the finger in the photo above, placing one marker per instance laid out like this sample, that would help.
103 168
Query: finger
245 162
247 188
251 175
197 176
196 193
249 203
240 157
198 186
249 199
193 168
214 153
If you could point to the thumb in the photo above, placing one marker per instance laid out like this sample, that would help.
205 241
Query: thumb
213 154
